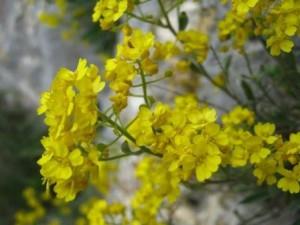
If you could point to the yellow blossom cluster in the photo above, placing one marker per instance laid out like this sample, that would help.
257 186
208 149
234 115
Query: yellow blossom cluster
283 24
187 136
194 42
274 161
131 59
106 177
70 107
165 50
157 185
277 22
53 19
108 12
36 212
100 212
185 141
38 204
191 142
139 54
235 28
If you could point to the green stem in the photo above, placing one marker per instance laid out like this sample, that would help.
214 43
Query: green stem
158 23
139 152
174 6
122 155
144 85
118 127
248 63
135 95
219 62
107 110
149 82
165 14
201 69
123 131
114 141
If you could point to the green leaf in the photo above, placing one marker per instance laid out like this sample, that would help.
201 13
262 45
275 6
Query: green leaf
183 20
257 196
247 90
125 147
297 222
151 100
168 73
228 61
194 67
101 147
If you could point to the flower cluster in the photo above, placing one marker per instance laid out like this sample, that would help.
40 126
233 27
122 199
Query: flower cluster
139 54
278 22
157 185
283 24
274 161
100 212
187 136
108 12
186 143
37 211
235 28
191 142
53 19
70 108
194 42
132 58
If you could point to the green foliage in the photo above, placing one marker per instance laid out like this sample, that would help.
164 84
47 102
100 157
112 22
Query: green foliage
20 132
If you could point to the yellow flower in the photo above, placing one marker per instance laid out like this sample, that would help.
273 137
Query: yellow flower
175 133
238 116
277 22
265 131
183 66
99 212
289 150
61 5
165 50
289 184
70 108
208 158
107 12
194 42
284 22
132 56
278 44
143 128
35 212
121 74
242 6
136 45
290 180
239 156
156 185
50 19
257 151
265 171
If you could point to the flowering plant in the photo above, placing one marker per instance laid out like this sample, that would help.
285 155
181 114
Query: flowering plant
188 142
